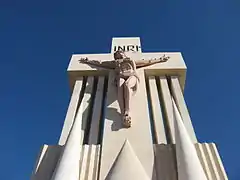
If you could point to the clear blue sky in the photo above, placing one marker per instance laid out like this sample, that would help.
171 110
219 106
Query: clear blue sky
37 39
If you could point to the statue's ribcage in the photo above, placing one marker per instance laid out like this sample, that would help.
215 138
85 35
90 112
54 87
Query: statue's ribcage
126 68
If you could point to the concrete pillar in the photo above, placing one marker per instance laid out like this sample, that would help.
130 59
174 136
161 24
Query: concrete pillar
188 164
156 112
181 104
71 112
68 164
167 104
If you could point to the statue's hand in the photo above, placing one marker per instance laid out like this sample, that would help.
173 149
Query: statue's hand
84 60
164 58
87 61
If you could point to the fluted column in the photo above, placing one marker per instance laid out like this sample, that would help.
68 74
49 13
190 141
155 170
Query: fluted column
68 165
188 163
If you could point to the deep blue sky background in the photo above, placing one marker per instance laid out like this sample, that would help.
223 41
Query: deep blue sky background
37 39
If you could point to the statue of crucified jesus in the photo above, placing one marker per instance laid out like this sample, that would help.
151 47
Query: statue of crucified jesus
126 78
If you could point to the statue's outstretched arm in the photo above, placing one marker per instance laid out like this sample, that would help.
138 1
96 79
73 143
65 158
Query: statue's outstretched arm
99 63
144 63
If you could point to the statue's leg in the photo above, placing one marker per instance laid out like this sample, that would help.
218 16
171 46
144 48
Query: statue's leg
128 92
121 82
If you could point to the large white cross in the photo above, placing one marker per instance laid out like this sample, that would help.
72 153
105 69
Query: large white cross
139 136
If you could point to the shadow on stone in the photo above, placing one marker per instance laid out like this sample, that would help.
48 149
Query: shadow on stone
48 162
115 116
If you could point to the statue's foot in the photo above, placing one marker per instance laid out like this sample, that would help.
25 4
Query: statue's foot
127 121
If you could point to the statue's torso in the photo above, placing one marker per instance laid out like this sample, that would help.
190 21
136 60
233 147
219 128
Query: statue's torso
125 67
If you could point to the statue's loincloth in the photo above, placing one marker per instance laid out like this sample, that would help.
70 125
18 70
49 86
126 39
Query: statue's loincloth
125 77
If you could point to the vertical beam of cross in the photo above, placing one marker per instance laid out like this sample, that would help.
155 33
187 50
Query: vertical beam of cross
114 134
131 46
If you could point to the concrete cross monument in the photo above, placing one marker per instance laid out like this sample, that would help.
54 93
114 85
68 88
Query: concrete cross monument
127 119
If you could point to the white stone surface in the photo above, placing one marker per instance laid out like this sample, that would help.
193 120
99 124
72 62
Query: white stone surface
68 164
97 162
218 162
211 161
86 105
157 112
92 160
96 113
188 163
89 162
71 112
127 166
203 160
167 100
215 170
84 163
181 104
165 163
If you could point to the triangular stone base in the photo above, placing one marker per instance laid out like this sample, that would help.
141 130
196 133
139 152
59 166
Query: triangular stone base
127 166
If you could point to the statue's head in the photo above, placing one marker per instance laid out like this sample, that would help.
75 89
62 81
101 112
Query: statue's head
119 55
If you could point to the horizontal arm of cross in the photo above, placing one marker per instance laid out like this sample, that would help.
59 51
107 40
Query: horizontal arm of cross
111 64
149 62
174 66
102 64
